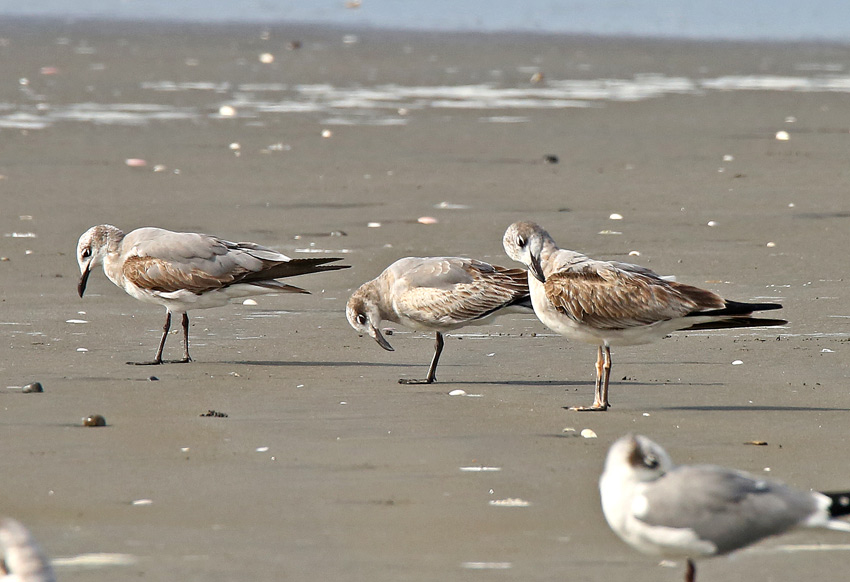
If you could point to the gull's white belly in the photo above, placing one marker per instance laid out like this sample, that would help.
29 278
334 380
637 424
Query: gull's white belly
182 301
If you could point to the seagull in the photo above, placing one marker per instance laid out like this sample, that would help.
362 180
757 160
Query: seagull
436 294
187 270
699 511
608 303
21 560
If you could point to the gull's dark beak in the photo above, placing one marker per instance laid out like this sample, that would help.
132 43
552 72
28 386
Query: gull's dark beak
81 286
536 269
379 337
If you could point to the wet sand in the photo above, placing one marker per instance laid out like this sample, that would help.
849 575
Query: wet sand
325 468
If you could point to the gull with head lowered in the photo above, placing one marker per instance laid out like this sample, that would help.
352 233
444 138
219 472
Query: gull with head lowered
436 294
187 270
608 303
699 511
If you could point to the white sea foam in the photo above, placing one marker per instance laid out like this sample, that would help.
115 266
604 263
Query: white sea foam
379 105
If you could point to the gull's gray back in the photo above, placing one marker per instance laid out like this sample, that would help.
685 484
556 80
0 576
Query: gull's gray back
728 508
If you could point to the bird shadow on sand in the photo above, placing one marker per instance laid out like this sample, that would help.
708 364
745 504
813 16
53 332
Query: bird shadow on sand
297 363
752 408
577 383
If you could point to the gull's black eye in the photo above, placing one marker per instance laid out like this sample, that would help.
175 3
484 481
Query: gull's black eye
362 319
86 252
650 460
520 241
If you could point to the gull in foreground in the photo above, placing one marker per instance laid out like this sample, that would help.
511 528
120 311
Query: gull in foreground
608 303
187 270
699 511
436 294
21 560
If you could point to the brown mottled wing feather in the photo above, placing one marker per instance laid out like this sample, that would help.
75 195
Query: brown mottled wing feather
609 298
158 275
476 292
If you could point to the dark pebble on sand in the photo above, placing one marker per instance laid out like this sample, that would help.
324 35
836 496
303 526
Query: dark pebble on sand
32 387
94 420
550 159
153 379
215 414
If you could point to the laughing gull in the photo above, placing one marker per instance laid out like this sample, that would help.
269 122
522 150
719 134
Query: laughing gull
436 294
187 270
608 303
699 511
21 560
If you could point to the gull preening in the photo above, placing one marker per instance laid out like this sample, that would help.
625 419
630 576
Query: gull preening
21 559
187 270
608 303
436 294
699 511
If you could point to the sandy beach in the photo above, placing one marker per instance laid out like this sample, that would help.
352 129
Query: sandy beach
325 468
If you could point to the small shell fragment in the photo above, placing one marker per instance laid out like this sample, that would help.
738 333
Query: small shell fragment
771 244
487 565
509 502
712 223
588 433
94 420
142 502
457 392
136 162
327 133
249 302
227 111
32 387
426 220
757 443
634 253
373 225
737 363
782 136
266 58
616 216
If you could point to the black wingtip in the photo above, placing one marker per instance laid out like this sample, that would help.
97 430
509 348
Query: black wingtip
840 503
734 322
732 308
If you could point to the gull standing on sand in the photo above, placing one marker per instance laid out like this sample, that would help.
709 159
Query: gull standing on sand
699 511
436 294
608 303
187 270
21 560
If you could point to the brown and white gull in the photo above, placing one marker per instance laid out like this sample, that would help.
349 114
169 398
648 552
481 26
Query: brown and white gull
608 303
700 511
436 294
187 270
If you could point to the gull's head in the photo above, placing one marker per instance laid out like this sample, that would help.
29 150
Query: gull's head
365 317
638 458
92 247
523 242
